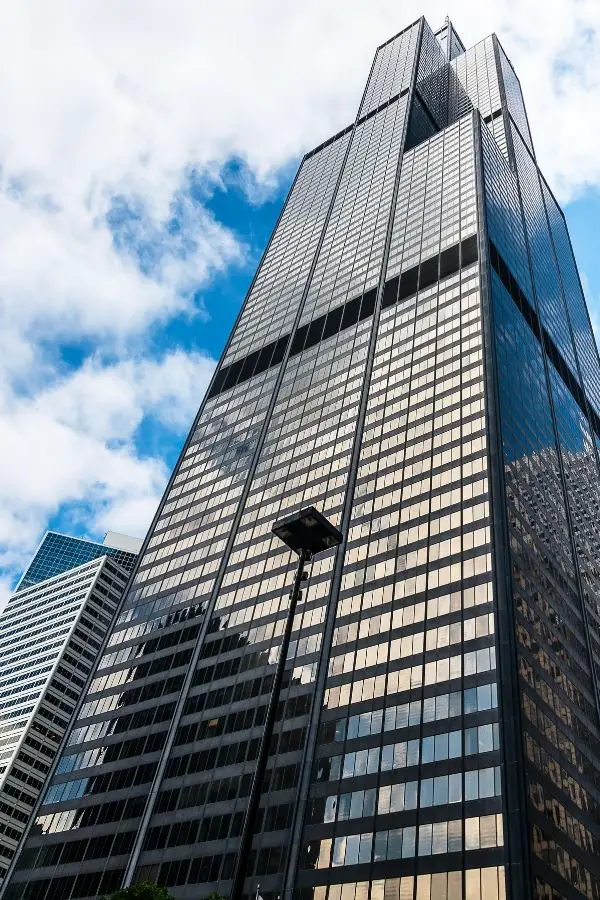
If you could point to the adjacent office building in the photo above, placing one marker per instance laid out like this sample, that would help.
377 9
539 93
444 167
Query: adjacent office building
59 552
415 359
50 634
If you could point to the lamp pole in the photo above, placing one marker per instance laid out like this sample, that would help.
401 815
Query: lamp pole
307 533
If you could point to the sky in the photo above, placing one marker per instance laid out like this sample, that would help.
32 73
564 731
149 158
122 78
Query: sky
145 150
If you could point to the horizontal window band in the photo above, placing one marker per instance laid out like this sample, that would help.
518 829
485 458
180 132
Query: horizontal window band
331 140
382 106
429 272
251 365
338 319
495 115
360 121
399 34
552 352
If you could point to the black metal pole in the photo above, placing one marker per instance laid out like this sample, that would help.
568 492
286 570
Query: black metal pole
239 873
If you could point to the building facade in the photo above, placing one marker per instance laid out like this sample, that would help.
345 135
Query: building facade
415 359
50 635
59 552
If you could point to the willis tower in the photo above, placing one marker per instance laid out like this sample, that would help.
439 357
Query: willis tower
415 360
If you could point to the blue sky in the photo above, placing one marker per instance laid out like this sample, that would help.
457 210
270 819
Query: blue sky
583 217
136 199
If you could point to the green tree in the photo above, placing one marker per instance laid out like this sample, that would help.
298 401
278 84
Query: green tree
144 890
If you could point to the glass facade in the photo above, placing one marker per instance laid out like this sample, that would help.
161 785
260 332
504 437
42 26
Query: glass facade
58 553
415 359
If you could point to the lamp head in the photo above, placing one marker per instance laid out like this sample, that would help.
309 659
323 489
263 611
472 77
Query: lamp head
307 530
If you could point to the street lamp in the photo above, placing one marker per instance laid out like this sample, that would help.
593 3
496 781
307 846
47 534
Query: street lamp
306 533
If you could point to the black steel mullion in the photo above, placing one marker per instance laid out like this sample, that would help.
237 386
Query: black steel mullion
328 628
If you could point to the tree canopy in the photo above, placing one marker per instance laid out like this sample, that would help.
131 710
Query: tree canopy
144 890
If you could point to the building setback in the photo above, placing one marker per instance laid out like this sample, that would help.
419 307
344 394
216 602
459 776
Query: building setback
59 552
415 359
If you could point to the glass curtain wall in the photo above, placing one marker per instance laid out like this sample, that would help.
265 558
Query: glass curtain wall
414 358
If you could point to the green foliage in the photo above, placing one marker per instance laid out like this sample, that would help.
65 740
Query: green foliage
144 890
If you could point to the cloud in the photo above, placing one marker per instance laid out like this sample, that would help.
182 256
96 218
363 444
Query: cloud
63 272
109 115
108 100
558 62
74 443
109 402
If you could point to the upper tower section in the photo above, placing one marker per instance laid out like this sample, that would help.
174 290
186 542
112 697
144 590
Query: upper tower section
449 40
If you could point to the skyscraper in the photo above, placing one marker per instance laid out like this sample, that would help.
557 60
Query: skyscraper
59 552
50 634
415 359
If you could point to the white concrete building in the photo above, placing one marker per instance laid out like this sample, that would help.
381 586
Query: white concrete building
50 635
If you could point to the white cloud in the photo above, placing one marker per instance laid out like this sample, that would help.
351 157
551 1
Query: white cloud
106 99
109 402
74 443
61 275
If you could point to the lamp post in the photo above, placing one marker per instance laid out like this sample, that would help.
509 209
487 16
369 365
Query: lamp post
306 533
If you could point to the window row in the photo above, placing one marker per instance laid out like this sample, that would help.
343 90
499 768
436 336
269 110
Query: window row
429 709
487 883
474 833
477 784
361 689
403 754
412 644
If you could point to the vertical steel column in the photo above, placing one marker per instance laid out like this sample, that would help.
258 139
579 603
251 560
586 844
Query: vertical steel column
292 862
514 789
